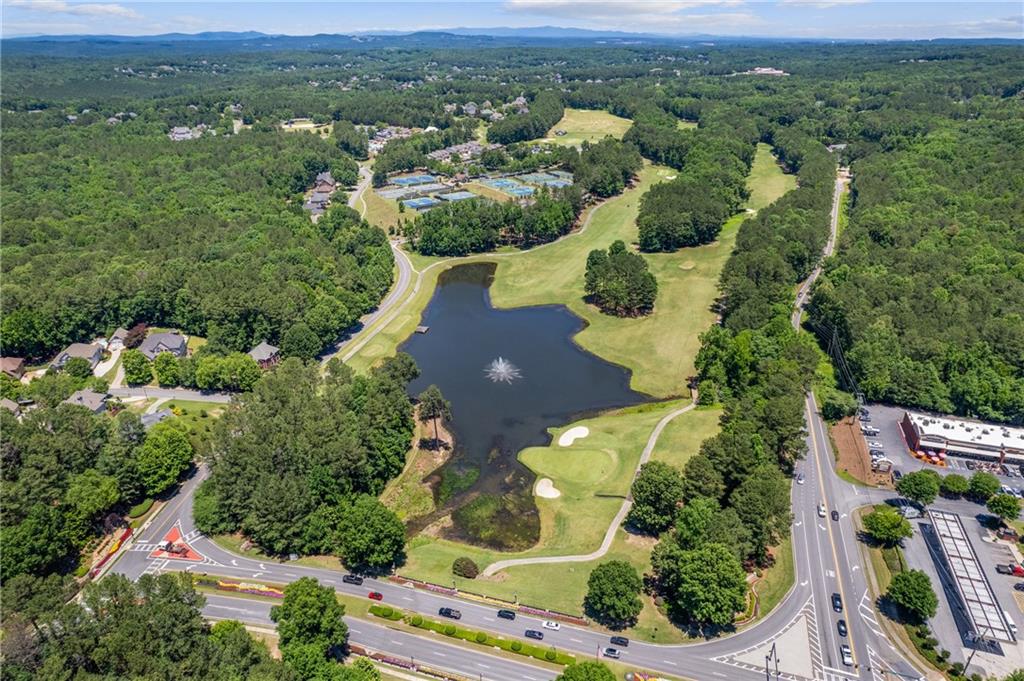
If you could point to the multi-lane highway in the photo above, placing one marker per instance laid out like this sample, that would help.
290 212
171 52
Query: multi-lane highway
826 558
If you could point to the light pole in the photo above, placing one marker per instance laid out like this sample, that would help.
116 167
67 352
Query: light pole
772 654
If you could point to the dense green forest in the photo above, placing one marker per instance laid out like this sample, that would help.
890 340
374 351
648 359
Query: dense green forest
293 463
106 226
927 292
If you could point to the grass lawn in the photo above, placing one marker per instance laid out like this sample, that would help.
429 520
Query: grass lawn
587 125
767 182
194 343
192 414
407 495
381 212
844 210
486 192
686 125
776 580
683 436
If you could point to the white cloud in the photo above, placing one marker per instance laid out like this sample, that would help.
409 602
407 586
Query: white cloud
87 9
824 4
653 15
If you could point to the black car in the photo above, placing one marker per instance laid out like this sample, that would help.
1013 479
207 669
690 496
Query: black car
450 612
623 642
837 602
352 579
896 475
841 627
865 418
507 614
835 515
876 452
1019 586
534 634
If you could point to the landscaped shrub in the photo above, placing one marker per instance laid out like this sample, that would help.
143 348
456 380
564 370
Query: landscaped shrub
386 612
550 656
417 620
481 637
465 567
516 646
449 630
140 508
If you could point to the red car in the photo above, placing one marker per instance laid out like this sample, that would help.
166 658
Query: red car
376 596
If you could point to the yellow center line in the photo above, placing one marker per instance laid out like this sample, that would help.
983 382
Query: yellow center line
828 525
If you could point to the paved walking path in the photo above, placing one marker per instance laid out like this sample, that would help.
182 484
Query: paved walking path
627 503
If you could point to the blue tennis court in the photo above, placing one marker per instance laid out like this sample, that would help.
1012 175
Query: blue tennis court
421 203
501 183
519 191
412 179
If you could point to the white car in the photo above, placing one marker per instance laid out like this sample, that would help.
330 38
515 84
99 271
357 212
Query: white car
876 445
553 626
800 479
821 510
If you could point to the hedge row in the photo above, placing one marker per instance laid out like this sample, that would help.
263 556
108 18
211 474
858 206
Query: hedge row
140 508
546 654
387 612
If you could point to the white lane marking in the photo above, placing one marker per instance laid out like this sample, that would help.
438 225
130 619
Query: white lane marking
397 643
575 640
439 653
234 562
670 662
407 598
262 566
481 664
354 631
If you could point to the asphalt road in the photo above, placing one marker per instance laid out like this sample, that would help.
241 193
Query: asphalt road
438 654
826 556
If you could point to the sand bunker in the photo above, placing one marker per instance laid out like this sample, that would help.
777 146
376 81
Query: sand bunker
546 489
573 434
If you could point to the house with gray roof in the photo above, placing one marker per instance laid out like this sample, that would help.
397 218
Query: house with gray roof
265 354
150 420
155 343
116 340
87 351
90 399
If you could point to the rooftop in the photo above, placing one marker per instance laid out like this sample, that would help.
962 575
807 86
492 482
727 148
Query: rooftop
965 431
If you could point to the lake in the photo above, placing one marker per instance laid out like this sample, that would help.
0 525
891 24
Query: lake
552 382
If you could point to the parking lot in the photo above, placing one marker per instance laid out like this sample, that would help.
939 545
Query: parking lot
886 420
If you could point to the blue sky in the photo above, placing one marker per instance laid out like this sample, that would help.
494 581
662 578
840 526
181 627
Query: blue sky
779 18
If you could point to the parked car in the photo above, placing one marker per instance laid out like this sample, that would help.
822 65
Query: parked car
612 653
353 579
835 515
837 602
507 614
1010 569
896 475
376 596
909 512
800 479
876 445
971 465
866 418
534 634
451 613
1019 586
876 452
623 642
847 655
841 628
551 625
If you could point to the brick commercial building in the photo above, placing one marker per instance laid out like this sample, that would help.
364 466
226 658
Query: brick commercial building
963 437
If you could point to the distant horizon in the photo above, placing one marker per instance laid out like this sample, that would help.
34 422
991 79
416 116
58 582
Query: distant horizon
497 31
857 20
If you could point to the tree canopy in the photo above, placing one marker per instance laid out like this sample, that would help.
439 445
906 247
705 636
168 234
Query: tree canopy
619 282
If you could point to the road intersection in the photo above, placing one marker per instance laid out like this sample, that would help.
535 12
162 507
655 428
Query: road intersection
801 629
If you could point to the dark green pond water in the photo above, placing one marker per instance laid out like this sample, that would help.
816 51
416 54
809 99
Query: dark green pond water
546 380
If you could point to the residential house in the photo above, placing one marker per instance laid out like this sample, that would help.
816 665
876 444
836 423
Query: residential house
150 420
180 133
90 399
327 179
88 351
12 366
469 109
265 354
116 340
155 343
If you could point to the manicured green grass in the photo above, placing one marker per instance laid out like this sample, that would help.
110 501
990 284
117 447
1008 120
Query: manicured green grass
683 436
844 210
686 125
777 580
194 343
192 413
587 125
767 182
381 212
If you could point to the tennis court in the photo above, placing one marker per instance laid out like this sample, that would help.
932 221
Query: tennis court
421 203
536 178
457 196
501 183
409 180
519 191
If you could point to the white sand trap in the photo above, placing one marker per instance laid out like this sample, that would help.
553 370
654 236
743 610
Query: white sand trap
573 434
546 489
670 177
